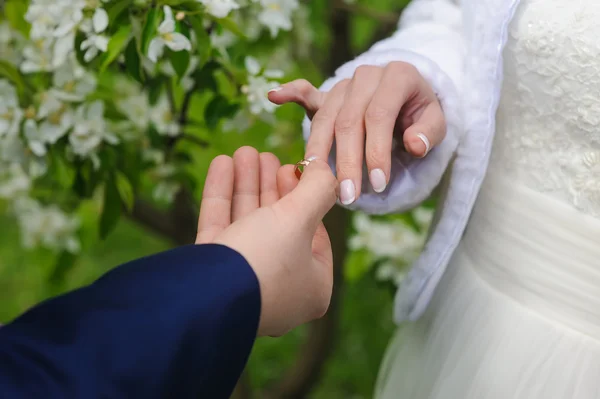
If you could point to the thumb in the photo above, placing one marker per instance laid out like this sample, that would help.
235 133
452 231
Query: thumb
301 92
315 195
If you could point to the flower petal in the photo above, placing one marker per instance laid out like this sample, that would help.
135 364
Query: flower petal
90 54
155 49
38 148
101 43
273 74
166 26
252 65
179 42
29 67
96 110
168 13
100 20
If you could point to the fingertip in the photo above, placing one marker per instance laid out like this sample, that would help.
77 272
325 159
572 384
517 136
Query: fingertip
417 144
221 160
268 158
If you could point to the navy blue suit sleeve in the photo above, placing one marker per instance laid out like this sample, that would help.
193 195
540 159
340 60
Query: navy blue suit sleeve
179 324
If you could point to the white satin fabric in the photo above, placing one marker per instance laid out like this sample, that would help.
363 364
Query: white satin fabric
517 315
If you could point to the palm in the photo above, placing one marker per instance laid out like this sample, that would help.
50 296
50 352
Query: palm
236 187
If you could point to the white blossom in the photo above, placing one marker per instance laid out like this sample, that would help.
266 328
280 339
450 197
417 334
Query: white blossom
35 138
90 130
163 119
220 8
137 109
10 112
95 41
167 37
71 14
258 87
46 226
276 15
222 41
11 44
256 92
14 182
72 83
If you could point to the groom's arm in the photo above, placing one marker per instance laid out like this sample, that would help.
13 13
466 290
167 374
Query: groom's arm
179 324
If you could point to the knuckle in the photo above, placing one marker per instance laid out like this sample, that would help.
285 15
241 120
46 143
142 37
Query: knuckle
404 68
345 126
377 114
342 84
304 87
364 70
323 116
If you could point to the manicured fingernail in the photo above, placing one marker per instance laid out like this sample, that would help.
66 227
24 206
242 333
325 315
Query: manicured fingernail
275 89
312 158
347 192
377 178
425 141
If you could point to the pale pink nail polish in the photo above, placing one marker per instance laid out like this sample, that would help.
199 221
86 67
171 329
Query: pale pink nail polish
347 192
275 90
377 178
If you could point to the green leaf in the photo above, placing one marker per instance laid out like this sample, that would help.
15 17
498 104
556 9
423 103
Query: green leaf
155 88
180 60
79 38
149 30
14 11
10 72
358 263
231 26
203 45
115 9
205 78
64 264
133 63
60 170
111 209
125 191
218 108
116 45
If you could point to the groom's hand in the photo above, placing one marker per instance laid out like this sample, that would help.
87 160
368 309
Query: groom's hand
258 208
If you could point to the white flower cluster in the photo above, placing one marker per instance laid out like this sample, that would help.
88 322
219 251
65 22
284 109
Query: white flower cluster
54 24
393 244
47 226
67 109
259 86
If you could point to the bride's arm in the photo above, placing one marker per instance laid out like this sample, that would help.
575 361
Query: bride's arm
430 38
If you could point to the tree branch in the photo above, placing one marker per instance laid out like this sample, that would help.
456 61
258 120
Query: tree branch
195 140
154 219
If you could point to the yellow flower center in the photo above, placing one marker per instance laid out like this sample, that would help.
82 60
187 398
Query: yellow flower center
30 112
168 37
8 115
69 87
275 7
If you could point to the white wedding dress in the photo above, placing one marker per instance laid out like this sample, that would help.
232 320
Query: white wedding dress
517 314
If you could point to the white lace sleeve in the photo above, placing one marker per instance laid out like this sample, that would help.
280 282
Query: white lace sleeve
430 38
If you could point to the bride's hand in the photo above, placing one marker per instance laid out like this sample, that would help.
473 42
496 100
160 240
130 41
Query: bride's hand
363 114
259 209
